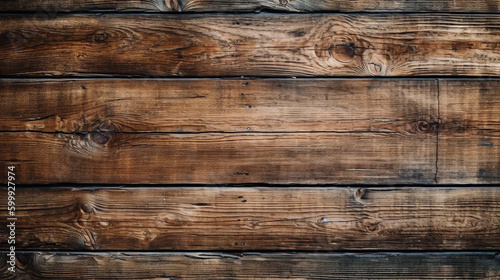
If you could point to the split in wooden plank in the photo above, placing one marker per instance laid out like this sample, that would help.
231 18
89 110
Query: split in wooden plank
256 218
202 105
251 45
213 265
49 8
469 138
215 158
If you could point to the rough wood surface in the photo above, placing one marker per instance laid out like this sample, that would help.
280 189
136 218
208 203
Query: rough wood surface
149 266
251 45
201 105
256 218
49 7
218 158
469 141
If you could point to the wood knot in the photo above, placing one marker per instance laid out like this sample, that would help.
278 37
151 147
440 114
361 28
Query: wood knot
344 53
284 2
424 127
106 126
375 63
358 194
371 226
87 208
173 6
102 132
99 138
101 37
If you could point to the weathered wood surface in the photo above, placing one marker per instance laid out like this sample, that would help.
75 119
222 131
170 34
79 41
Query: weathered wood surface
403 113
251 45
218 158
200 105
256 218
49 265
469 141
49 7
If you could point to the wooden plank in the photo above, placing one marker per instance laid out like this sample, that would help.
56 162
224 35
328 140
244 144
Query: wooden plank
200 105
251 45
48 7
49 265
469 143
256 218
218 158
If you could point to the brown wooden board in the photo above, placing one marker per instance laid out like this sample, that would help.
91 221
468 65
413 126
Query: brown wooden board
220 131
49 7
250 45
212 265
469 142
218 158
205 105
255 218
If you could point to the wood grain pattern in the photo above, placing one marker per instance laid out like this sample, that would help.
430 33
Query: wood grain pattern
256 218
469 143
201 105
49 7
251 45
215 158
48 265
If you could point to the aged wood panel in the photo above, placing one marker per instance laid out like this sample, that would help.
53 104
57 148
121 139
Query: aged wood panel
49 7
307 158
251 45
201 105
256 218
469 142
49 265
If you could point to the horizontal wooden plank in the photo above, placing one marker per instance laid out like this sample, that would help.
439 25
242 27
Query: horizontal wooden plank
469 142
49 265
255 218
48 7
251 45
218 158
200 105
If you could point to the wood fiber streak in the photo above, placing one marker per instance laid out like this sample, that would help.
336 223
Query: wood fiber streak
48 7
256 218
405 106
469 142
250 45
215 158
149 266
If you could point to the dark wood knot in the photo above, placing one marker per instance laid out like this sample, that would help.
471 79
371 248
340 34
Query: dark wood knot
343 52
103 132
101 37
99 138
425 127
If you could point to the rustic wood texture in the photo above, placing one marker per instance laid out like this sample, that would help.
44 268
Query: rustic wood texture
215 158
403 113
48 265
201 105
49 7
256 218
469 142
251 45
